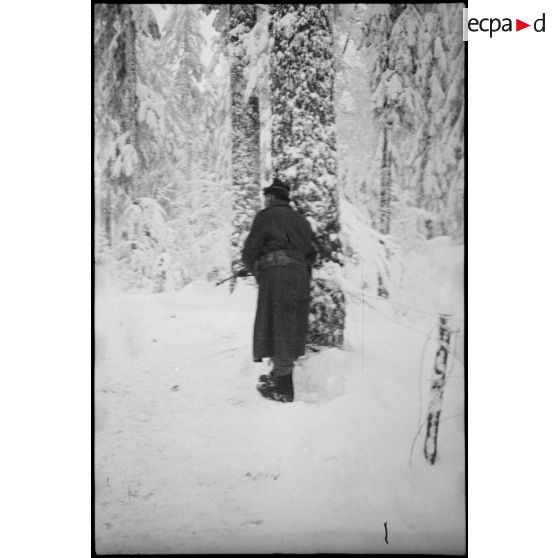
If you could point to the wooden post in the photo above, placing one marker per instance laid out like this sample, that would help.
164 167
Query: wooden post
437 391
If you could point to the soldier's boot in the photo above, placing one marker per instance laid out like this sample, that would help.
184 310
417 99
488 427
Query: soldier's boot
264 382
266 386
278 388
285 388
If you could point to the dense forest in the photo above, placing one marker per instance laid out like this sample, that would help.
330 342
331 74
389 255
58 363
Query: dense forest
355 106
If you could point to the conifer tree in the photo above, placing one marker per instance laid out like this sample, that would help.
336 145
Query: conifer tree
304 146
182 45
245 128
441 81
391 35
116 103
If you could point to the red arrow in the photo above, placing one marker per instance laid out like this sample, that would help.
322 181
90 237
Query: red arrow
519 25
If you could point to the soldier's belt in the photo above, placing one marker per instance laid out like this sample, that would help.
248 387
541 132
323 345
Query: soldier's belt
279 257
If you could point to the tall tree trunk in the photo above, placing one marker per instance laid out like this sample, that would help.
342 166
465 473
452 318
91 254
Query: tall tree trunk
423 199
245 124
385 204
303 146
116 99
385 188
129 114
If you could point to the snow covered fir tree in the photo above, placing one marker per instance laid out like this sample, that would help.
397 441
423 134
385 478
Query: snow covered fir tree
360 110
245 129
303 146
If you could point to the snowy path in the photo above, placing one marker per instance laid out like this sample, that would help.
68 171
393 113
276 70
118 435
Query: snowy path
189 458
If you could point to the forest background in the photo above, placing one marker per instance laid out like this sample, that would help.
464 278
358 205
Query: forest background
187 131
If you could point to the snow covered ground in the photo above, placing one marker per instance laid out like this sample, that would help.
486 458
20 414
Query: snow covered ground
189 458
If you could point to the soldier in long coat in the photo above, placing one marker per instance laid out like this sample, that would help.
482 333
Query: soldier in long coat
280 251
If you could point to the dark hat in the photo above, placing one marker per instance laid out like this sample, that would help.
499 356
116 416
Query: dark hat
279 189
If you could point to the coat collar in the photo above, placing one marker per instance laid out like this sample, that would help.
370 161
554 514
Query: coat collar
279 202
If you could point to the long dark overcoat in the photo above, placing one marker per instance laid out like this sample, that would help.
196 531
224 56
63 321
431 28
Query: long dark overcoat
284 291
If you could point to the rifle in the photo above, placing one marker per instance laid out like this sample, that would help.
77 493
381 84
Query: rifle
225 280
241 273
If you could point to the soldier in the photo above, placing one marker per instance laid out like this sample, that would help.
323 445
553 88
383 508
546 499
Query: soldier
280 251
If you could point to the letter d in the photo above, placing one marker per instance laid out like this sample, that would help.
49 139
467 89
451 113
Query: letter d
536 22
